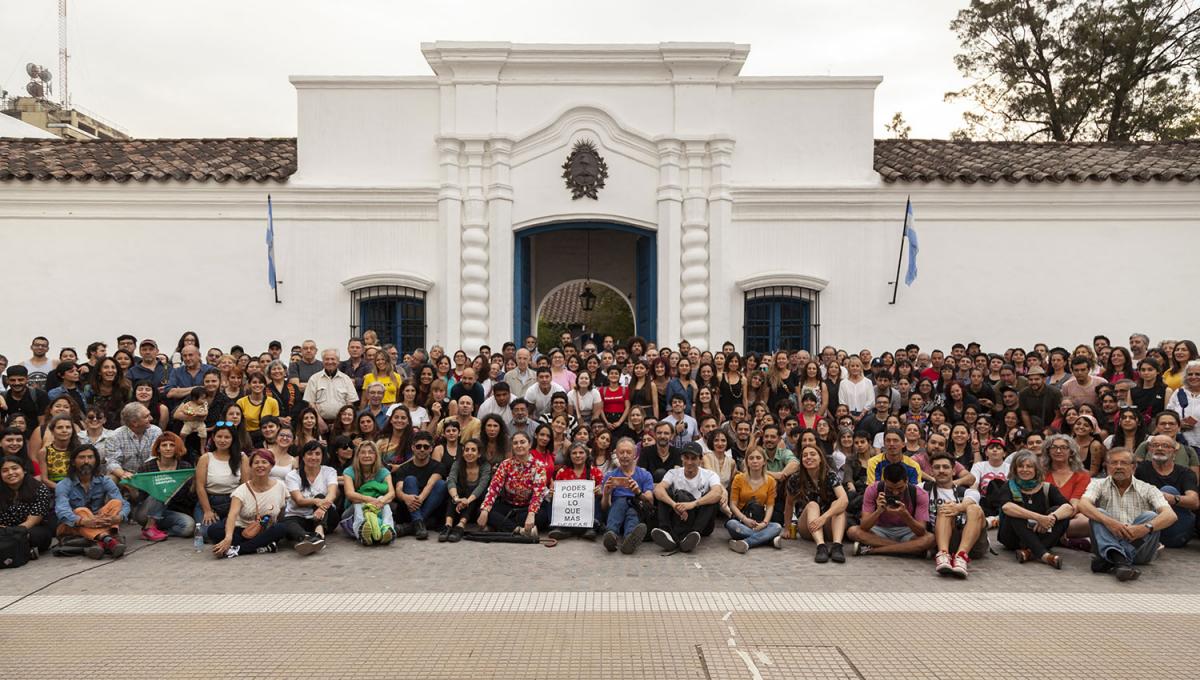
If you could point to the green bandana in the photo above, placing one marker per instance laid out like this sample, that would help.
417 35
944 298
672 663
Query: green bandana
1017 486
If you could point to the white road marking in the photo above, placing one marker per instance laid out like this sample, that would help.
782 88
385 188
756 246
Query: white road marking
750 666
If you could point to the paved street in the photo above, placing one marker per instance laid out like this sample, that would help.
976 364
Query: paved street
429 610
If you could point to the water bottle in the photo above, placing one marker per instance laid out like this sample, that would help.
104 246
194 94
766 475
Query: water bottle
198 539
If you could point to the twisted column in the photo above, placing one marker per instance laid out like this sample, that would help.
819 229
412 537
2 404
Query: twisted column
474 254
694 249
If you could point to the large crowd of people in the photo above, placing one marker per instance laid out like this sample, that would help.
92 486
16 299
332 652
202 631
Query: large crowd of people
939 455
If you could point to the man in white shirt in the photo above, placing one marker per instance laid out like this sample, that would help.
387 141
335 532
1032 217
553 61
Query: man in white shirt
498 404
538 395
956 519
687 500
685 426
329 390
521 378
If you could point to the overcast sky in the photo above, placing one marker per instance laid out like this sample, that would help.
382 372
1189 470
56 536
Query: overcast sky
220 67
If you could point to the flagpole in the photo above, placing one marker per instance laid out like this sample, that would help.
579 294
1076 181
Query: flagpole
900 257
271 249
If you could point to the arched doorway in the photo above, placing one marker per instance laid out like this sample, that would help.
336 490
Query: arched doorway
547 256
563 310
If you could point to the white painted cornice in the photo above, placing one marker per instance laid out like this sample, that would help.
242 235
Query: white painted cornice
771 279
404 279
614 136
363 82
808 82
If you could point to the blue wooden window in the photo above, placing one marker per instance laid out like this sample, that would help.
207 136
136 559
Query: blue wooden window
781 317
395 313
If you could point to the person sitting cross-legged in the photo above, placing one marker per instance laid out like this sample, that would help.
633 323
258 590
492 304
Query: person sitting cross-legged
622 491
255 510
1128 517
687 502
515 500
1034 515
90 505
895 513
957 519
751 500
420 484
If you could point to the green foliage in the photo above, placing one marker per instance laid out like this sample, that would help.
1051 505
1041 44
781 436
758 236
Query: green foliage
1076 70
898 128
611 315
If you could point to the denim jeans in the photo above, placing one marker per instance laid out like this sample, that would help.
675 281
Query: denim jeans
1184 529
740 531
432 505
169 521
356 521
622 516
271 534
1141 551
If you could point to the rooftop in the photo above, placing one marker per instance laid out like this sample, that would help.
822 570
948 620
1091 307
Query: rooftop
917 160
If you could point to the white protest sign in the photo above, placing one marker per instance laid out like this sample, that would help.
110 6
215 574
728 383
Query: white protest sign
574 504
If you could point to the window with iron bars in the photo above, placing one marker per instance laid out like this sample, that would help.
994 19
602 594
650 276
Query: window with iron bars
395 313
782 317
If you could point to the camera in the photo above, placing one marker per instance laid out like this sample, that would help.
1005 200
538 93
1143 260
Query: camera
892 500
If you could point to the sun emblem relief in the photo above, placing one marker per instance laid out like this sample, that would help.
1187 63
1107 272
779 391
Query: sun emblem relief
585 170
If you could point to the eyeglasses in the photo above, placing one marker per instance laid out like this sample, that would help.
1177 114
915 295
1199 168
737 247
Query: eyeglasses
285 435
224 423
421 447
95 417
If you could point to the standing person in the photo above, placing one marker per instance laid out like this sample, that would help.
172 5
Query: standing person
172 517
514 501
108 389
752 493
355 366
687 500
781 381
26 502
585 401
186 376
255 510
329 389
301 371
385 374
149 368
466 485
856 392
1128 517
313 503
90 505
1183 353
256 405
616 399
682 386
822 502
21 398
38 366
286 394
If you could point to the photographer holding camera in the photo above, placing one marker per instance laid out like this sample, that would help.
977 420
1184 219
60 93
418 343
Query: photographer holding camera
894 516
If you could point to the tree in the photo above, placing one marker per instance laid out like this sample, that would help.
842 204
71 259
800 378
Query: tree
1074 70
898 128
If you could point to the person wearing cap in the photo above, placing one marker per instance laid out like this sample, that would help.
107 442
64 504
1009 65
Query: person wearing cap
687 501
24 399
1039 402
68 385
149 368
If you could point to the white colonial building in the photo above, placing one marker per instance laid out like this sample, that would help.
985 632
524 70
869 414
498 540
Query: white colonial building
433 208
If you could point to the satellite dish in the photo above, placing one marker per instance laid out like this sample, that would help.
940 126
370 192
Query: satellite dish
32 69
44 75
35 89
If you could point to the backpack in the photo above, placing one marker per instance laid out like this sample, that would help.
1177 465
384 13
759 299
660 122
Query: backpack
14 547
960 492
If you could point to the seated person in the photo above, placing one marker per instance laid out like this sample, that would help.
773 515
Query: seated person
1178 487
172 518
934 445
26 502
255 510
515 501
895 513
993 469
822 502
893 452
752 497
466 484
313 508
957 520
663 456
1064 469
90 505
420 489
687 502
579 468
1126 528
368 487
1034 515
623 490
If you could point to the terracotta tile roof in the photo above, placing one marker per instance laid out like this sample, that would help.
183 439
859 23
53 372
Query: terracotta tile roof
916 160
141 160
928 160
563 307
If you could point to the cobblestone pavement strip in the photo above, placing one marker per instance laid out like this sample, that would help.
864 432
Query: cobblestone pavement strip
428 610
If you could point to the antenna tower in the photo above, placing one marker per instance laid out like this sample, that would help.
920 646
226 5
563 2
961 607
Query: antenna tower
63 56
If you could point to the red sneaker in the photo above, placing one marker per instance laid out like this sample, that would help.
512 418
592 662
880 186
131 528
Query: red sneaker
153 534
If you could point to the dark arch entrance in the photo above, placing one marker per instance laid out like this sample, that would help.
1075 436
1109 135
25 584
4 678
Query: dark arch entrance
533 244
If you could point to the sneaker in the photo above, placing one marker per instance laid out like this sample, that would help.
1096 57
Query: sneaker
688 543
1126 572
267 549
560 534
861 548
1080 544
420 531
94 551
233 552
610 541
370 531
663 539
308 547
1101 565
631 542
740 547
590 535
836 554
33 553
387 534
822 555
456 534
777 543
444 535
942 563
961 565
153 534
116 549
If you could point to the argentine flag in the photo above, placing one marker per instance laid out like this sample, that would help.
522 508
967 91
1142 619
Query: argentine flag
914 246
270 245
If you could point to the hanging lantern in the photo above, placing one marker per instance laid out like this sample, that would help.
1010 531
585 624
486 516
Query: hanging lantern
587 299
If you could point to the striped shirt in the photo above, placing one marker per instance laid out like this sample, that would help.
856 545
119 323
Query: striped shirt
128 451
1124 507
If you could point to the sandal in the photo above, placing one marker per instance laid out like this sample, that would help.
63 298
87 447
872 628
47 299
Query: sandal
1023 555
1052 560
